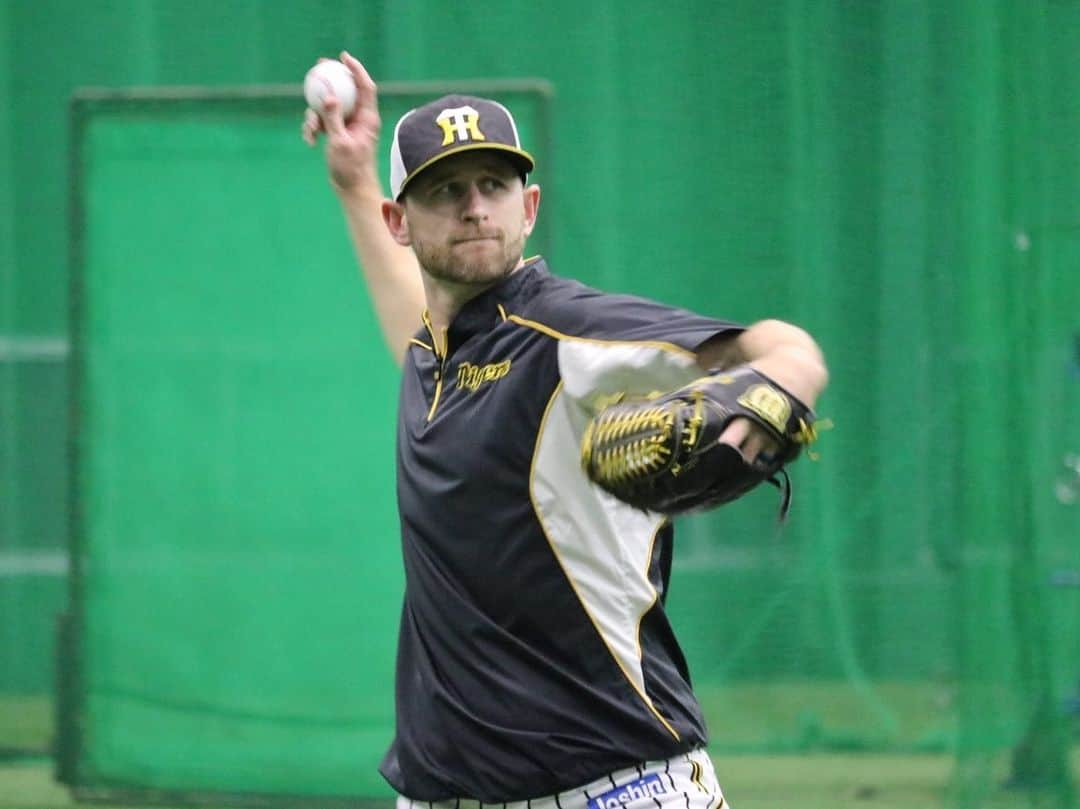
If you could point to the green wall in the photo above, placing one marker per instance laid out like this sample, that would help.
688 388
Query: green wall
900 177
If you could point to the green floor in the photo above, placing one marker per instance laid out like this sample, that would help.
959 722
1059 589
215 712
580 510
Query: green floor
815 781
791 781
750 782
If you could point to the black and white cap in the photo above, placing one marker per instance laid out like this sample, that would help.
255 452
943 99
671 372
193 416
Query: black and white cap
447 126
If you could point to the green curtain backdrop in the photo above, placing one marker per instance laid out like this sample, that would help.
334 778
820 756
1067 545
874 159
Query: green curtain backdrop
237 584
899 177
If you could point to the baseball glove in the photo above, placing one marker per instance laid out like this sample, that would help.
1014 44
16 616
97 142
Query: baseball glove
663 453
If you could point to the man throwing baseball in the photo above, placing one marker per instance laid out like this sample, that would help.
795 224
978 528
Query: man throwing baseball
547 433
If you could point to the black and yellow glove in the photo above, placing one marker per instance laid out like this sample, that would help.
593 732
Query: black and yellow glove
663 453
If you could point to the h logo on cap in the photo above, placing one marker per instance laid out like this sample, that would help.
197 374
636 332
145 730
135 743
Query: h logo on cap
460 122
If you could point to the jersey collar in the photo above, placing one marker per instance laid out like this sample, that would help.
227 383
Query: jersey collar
484 312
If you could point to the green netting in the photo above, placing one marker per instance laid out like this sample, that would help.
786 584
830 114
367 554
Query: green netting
899 177
238 583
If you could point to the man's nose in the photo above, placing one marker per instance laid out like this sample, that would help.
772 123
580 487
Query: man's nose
473 207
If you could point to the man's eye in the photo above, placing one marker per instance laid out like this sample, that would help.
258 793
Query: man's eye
492 184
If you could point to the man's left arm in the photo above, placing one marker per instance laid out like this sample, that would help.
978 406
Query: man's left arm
781 351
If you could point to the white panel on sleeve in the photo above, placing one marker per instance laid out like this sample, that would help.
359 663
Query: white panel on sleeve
603 545
592 369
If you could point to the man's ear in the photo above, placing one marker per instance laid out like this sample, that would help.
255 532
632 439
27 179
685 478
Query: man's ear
393 214
531 199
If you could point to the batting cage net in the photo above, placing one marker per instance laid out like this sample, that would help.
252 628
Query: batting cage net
900 178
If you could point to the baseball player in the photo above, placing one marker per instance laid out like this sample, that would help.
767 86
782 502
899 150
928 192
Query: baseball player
536 665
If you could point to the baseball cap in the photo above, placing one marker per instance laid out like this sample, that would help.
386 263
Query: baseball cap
447 126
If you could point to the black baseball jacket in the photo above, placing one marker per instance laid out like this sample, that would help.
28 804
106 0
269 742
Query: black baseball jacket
534 654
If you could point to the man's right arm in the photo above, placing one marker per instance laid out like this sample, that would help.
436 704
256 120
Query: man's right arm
390 270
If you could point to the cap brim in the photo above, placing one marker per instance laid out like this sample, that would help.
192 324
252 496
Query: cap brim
524 159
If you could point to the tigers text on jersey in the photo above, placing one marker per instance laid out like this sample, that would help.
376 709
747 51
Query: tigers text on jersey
534 654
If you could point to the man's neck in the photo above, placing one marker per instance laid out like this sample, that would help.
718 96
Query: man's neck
446 298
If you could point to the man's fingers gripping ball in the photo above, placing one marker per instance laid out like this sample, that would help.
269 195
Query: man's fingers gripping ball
366 90
330 79
664 454
311 127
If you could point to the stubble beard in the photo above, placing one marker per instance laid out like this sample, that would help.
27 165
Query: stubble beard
444 263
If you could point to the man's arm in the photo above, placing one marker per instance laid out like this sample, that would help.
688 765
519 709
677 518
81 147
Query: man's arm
390 270
784 353
777 349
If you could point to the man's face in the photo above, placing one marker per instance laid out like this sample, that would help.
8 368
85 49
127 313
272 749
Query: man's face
468 217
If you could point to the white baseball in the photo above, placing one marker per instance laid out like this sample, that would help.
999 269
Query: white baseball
328 77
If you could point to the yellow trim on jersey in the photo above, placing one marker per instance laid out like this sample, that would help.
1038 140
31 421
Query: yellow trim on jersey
426 317
502 311
695 776
416 342
440 355
656 595
558 335
536 510
438 393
